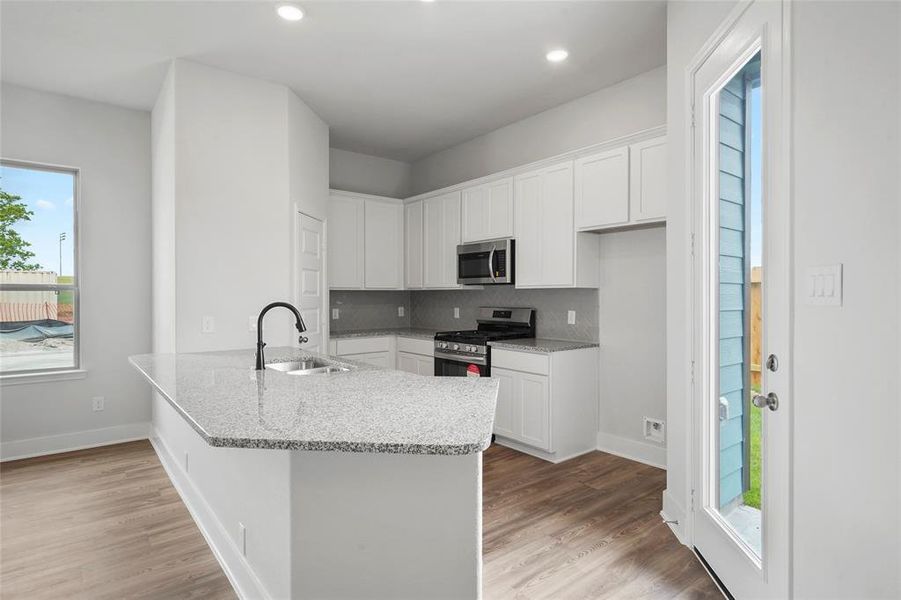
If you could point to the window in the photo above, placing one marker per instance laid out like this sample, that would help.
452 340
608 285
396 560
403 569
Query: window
38 268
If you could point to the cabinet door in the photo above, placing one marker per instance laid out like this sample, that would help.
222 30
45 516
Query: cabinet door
441 224
345 241
545 248
407 362
647 184
426 365
534 405
505 414
384 245
602 189
413 239
488 211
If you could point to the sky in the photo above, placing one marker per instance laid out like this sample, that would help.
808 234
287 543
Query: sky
50 196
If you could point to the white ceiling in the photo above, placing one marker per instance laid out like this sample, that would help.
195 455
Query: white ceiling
395 79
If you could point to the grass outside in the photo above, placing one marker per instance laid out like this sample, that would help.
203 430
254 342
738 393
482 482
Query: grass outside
752 496
66 296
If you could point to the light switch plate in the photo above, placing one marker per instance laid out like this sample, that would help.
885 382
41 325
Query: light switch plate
251 323
824 285
335 314
571 317
456 312
400 311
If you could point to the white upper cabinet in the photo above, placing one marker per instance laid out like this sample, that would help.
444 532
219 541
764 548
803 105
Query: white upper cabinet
441 235
413 234
622 187
488 211
549 253
648 180
384 244
345 241
602 189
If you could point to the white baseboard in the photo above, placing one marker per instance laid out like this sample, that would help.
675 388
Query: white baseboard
245 582
648 454
551 457
78 440
674 515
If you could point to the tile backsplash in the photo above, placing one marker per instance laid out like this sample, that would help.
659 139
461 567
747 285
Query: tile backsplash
368 310
435 309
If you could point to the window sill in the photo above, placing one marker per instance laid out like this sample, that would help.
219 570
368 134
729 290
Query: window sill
42 377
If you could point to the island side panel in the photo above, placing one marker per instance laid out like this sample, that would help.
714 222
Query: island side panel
225 488
386 525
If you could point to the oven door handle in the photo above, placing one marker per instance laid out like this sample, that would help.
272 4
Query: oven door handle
491 263
476 360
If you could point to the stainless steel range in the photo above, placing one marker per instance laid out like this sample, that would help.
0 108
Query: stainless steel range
467 353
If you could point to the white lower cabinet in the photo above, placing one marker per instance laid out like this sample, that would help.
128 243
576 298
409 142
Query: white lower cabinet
547 403
416 363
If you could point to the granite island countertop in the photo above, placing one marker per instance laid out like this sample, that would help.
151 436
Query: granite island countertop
365 409
541 345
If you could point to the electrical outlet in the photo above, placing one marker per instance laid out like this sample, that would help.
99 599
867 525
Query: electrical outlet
456 312
97 403
207 324
400 311
242 538
251 323
571 317
655 430
336 314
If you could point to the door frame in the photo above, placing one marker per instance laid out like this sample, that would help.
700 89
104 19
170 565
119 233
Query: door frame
324 311
697 345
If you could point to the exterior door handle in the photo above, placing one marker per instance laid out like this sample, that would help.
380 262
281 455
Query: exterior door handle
770 401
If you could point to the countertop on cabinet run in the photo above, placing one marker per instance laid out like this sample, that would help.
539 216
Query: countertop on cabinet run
424 334
365 409
541 345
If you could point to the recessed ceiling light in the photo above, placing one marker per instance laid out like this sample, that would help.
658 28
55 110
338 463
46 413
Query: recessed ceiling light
558 55
428 0
289 12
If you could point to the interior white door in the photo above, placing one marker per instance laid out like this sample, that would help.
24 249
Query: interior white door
311 294
741 226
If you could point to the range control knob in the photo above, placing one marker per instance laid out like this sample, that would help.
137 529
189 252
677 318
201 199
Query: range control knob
456 346
473 349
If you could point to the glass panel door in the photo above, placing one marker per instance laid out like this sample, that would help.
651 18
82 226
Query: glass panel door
738 423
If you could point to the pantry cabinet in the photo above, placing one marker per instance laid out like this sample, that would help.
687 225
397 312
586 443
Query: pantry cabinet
488 211
549 252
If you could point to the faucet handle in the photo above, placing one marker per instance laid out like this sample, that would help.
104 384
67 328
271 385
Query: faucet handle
302 340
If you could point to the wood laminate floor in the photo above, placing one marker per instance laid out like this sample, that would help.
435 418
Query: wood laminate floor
107 523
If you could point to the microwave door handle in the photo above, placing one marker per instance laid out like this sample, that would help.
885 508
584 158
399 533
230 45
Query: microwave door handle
491 264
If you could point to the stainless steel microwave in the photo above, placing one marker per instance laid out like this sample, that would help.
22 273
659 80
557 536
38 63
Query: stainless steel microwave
484 263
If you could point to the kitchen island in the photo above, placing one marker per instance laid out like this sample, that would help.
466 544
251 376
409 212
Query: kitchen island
364 483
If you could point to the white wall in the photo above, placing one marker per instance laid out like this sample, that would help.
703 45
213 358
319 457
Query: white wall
163 217
365 174
847 500
308 159
845 156
627 107
111 146
689 24
632 301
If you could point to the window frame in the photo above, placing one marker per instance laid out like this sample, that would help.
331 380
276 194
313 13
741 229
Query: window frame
76 369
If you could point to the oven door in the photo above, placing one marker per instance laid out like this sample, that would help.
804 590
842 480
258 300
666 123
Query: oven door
485 262
452 365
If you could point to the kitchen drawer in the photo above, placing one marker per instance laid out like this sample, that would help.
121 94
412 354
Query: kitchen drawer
526 362
363 345
376 359
415 345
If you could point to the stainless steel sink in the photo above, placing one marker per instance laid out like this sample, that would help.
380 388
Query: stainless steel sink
310 366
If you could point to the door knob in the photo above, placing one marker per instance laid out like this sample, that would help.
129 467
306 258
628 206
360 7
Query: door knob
770 401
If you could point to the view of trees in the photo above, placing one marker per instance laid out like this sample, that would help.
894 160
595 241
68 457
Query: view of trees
14 251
